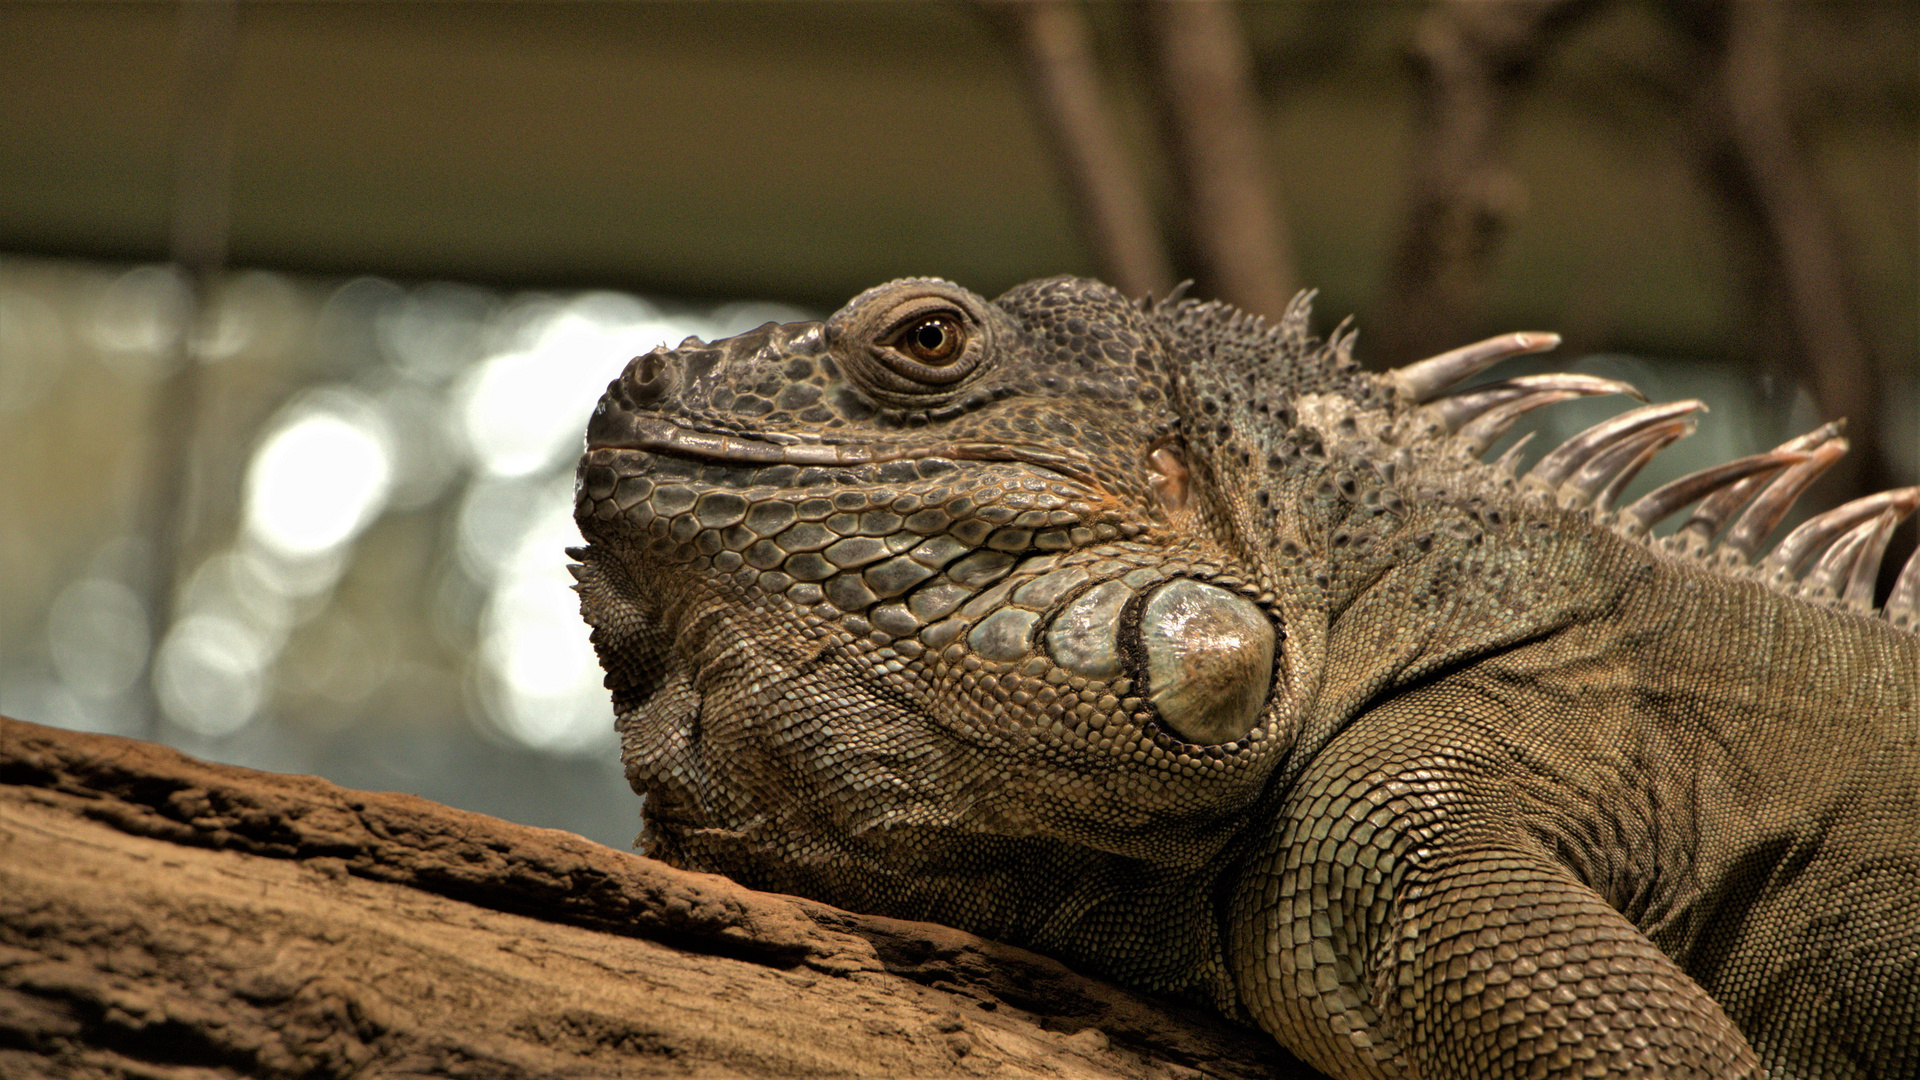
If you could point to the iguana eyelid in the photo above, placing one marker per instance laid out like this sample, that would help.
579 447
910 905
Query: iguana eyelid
869 337
918 311
904 313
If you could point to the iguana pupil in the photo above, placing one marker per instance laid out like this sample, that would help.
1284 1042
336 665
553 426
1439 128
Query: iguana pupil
934 341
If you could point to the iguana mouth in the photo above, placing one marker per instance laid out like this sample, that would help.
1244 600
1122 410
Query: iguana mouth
658 435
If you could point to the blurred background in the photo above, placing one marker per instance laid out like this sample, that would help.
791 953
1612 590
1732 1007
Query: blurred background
303 306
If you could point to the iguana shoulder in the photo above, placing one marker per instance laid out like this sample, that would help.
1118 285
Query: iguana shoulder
1169 641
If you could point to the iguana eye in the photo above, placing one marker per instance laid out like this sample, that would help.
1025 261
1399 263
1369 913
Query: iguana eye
913 344
929 349
935 340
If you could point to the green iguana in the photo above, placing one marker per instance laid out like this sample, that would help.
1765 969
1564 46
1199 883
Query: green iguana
1170 642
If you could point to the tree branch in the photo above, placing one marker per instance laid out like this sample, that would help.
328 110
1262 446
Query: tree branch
1472 58
203 160
1055 59
1203 76
1801 238
161 916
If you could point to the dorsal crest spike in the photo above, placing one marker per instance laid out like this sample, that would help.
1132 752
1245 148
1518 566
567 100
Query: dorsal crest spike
1272 359
1858 593
1298 316
1716 509
1175 294
1425 380
1832 571
1815 534
1454 411
1567 458
1509 462
1903 604
1744 538
1340 344
1599 482
1486 429
1657 505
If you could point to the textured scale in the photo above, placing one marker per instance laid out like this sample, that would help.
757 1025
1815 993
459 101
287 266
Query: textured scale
1169 641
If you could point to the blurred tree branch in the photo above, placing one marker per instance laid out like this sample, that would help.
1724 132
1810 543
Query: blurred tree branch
1210 114
1210 121
1472 60
1050 41
203 153
1761 170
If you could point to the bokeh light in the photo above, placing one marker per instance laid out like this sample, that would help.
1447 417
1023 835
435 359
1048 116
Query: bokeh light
320 477
524 409
210 673
456 405
251 313
97 637
137 321
33 349
543 684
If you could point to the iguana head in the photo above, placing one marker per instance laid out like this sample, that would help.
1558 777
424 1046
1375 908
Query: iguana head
908 568
945 601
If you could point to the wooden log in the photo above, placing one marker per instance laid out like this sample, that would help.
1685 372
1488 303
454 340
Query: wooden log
161 916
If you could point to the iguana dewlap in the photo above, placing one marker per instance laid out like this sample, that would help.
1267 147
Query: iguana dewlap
1170 642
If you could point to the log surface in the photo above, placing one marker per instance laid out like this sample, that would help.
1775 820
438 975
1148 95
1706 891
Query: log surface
164 917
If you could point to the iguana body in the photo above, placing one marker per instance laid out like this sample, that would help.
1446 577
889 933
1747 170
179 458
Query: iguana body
1171 643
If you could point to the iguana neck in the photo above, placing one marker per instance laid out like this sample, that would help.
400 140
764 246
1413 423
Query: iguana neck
1675 629
974 863
1448 588
1118 918
1676 716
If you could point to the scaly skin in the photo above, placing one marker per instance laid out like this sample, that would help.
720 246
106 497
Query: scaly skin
1174 645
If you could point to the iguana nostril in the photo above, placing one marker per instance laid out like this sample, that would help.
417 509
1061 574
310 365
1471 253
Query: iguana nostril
650 379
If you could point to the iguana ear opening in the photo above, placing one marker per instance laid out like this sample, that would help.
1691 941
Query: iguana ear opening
1169 478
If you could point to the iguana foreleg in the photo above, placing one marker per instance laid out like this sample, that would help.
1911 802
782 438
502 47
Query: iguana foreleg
1405 925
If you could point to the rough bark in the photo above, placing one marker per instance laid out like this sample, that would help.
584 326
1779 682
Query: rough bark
165 917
